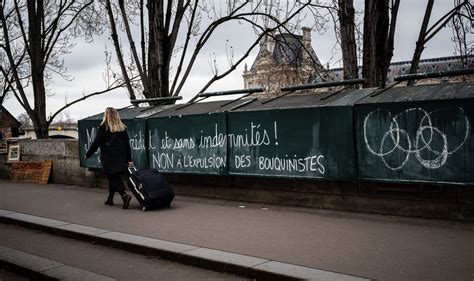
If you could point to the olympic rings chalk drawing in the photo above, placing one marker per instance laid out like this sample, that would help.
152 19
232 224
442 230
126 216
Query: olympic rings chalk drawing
398 140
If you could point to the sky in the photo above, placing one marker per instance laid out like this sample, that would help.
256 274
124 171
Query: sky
86 62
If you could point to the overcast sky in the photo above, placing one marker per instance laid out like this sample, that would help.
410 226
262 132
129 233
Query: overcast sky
86 62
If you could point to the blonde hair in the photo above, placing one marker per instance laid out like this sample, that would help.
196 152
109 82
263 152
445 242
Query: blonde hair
112 120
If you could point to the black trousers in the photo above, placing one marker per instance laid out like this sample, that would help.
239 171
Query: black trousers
115 184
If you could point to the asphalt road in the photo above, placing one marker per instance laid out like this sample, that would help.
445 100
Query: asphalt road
102 260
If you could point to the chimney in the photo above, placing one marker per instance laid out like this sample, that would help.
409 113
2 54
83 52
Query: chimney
269 42
306 43
306 36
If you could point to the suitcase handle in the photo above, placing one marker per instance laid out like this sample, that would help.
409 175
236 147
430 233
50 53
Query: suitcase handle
131 169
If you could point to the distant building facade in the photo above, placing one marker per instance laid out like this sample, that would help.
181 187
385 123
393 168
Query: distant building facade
288 59
283 59
56 131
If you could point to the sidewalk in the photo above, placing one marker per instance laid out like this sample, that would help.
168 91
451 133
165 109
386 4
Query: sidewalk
369 246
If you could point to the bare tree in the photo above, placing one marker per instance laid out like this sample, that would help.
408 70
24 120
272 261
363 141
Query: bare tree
24 119
379 32
461 9
462 25
18 61
118 50
165 64
35 36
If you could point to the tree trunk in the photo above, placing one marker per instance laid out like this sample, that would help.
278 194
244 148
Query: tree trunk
376 23
420 43
348 44
391 35
35 14
158 65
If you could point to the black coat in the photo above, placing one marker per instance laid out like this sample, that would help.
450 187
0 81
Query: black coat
115 152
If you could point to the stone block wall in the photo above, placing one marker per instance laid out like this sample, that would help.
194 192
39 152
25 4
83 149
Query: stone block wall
65 157
413 200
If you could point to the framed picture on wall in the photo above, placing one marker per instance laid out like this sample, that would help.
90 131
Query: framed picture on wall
3 147
13 153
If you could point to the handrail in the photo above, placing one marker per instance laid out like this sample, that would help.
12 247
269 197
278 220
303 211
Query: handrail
427 75
162 99
324 84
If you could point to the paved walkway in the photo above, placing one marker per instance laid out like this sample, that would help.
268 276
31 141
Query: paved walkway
375 247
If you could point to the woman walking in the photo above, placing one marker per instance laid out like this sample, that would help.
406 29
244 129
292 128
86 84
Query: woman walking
115 153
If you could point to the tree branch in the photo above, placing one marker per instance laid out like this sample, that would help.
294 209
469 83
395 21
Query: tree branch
22 28
132 45
232 68
51 118
50 47
117 49
267 31
185 48
7 49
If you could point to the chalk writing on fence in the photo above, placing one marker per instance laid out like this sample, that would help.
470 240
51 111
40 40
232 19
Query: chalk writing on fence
90 137
430 145
137 140
205 150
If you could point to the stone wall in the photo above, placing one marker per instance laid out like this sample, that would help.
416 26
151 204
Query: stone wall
413 200
65 156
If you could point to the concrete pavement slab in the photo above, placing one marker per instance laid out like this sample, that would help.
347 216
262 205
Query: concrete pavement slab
305 273
226 257
82 229
41 268
34 219
70 273
28 261
5 212
4 249
223 261
151 243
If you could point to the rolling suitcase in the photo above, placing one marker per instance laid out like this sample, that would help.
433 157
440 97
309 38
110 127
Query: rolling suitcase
150 188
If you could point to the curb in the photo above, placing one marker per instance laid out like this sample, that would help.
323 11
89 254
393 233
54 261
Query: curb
39 268
216 260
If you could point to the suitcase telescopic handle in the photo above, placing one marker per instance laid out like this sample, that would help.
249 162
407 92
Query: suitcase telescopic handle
131 169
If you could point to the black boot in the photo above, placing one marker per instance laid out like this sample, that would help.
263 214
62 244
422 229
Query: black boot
126 200
109 201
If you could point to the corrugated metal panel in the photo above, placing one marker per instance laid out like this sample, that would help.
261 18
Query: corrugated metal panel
421 93
349 97
196 108
127 113
150 111
344 98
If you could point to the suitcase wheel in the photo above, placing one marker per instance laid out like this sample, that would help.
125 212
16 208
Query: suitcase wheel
144 208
